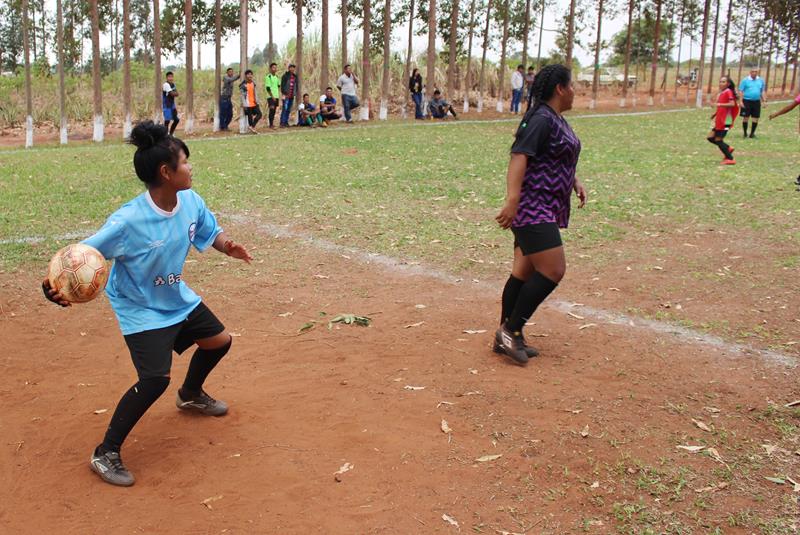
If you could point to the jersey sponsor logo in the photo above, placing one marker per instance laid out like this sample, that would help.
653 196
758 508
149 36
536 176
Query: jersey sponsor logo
156 244
192 231
169 280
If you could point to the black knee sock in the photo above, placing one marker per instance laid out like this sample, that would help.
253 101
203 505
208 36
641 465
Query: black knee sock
510 295
533 292
174 126
166 125
203 361
744 126
131 408
753 128
271 116
725 148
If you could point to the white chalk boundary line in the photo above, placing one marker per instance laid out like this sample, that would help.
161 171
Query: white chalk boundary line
605 316
417 269
356 126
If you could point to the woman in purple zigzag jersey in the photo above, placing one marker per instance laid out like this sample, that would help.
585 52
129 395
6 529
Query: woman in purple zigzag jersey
540 182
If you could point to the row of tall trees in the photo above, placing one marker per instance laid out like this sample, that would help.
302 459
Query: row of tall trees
765 31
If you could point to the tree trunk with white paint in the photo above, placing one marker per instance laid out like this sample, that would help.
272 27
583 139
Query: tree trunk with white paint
189 123
28 95
217 62
385 79
243 126
62 99
365 62
97 135
126 69
468 70
483 57
158 114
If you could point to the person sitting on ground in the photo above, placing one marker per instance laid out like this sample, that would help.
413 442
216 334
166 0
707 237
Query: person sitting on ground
327 107
439 107
307 113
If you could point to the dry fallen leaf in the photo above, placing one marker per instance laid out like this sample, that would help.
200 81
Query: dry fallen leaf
712 488
582 327
450 520
776 480
691 449
471 331
100 411
207 501
594 485
417 324
701 425
715 455
585 431
445 427
577 317
346 467
487 458
410 387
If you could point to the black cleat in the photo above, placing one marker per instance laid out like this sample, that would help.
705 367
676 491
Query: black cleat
511 345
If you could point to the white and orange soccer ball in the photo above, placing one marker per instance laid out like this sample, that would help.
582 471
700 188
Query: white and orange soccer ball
79 272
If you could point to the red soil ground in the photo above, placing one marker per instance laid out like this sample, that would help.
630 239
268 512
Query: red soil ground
587 432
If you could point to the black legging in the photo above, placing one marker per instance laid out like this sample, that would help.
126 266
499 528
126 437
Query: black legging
717 139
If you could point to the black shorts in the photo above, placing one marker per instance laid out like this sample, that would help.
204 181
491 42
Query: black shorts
151 351
536 238
721 133
751 108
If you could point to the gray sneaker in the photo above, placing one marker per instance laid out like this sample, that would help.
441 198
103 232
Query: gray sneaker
202 403
110 468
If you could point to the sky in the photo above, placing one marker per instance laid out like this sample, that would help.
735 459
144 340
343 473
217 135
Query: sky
284 26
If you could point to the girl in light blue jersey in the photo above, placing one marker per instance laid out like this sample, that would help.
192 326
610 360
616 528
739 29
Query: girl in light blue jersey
149 238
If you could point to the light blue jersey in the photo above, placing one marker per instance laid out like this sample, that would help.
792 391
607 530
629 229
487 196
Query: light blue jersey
751 89
149 247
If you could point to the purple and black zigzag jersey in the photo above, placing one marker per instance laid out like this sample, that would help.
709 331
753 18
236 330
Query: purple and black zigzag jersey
552 149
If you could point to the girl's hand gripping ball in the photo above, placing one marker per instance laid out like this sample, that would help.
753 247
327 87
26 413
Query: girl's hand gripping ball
77 273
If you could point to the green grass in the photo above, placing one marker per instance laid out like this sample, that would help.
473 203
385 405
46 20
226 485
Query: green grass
427 192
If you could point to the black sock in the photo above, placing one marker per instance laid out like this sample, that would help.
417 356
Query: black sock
130 409
510 295
533 292
744 126
725 148
174 126
203 361
753 128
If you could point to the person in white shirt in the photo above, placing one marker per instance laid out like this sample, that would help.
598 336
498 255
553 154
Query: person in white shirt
347 83
517 83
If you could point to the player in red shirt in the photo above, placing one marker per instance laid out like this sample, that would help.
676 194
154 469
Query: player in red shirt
724 117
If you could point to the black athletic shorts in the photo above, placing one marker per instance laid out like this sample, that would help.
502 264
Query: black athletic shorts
751 108
151 351
721 133
536 238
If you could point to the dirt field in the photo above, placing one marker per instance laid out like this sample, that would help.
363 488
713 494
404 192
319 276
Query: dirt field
585 436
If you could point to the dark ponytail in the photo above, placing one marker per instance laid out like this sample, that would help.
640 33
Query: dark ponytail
546 81
154 147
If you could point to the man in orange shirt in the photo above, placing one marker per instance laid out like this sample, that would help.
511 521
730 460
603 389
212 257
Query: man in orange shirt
249 101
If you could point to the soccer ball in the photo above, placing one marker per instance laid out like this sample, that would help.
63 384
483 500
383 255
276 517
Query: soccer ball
79 272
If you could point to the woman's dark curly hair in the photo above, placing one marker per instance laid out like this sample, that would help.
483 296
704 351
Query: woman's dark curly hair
154 147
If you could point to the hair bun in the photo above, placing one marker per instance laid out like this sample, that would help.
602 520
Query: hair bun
147 134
